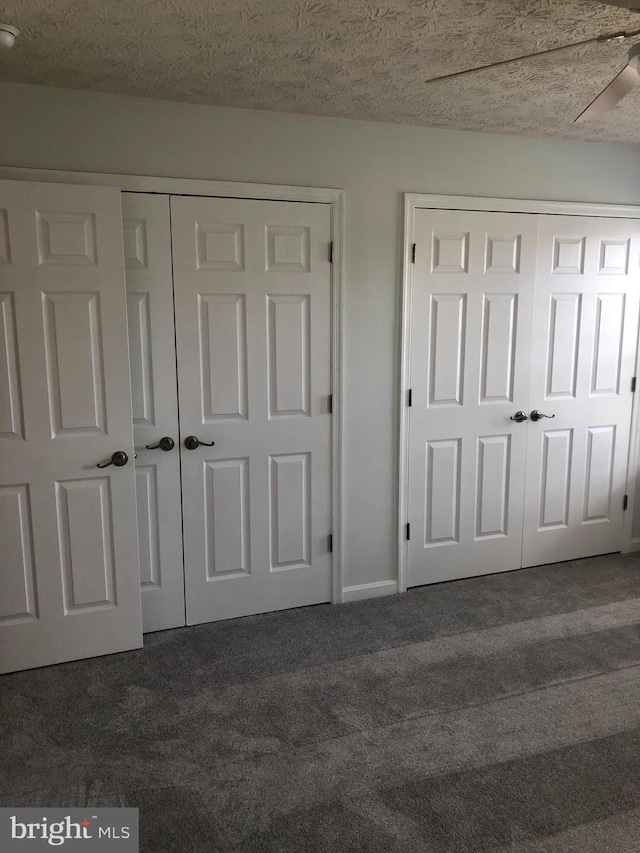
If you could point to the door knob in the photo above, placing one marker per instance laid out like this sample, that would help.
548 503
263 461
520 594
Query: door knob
119 458
519 417
191 442
537 415
165 443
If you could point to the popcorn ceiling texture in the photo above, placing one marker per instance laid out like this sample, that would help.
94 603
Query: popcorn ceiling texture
354 59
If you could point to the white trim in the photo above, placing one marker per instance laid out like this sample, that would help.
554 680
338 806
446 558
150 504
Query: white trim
337 274
633 466
369 590
405 376
413 201
174 186
515 205
236 189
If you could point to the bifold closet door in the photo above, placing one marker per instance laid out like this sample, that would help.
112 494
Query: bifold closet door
472 302
583 360
252 283
152 353
69 573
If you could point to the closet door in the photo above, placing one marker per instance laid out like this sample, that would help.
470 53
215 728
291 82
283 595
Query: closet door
539 314
472 301
583 358
68 542
252 284
147 250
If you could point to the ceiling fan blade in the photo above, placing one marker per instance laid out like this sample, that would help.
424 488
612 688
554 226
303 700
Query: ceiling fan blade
612 94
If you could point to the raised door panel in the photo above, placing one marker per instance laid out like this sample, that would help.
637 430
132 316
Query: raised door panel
5 243
18 587
446 355
614 256
608 344
555 480
290 510
223 350
219 246
289 365
66 237
502 253
493 479
11 406
152 357
450 251
598 494
499 333
227 518
288 248
75 363
68 530
442 493
568 253
140 357
85 524
148 526
134 238
562 345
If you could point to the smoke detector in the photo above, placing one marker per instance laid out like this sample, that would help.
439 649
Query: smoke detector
8 36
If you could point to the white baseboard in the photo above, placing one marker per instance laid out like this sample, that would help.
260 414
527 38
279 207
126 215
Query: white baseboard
369 590
634 545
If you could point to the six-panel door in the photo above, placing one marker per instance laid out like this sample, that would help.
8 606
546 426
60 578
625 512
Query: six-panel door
252 286
531 313
583 359
472 302
68 542
152 356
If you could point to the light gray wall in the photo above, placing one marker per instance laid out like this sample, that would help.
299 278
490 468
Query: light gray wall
375 164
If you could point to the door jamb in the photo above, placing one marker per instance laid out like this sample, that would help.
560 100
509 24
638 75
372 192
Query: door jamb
236 189
413 201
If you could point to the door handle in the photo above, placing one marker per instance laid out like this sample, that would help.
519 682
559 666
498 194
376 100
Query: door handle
165 443
537 415
119 458
519 417
192 442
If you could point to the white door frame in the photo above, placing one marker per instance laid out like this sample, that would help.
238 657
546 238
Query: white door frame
412 201
234 189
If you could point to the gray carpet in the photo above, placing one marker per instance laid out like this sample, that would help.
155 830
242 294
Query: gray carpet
492 714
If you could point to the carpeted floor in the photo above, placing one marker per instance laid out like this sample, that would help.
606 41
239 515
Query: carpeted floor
493 714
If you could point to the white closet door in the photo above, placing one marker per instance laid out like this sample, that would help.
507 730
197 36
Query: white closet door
472 301
147 251
585 333
252 284
68 543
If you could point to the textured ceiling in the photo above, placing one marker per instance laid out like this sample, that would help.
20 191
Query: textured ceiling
349 58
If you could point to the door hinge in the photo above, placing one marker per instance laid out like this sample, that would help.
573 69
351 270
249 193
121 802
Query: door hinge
331 253
633 384
331 543
408 531
413 253
410 397
330 404
625 502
